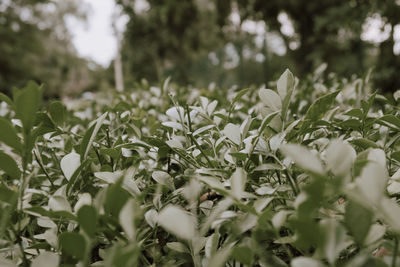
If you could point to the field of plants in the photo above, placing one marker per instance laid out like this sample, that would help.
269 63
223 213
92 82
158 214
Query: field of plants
303 174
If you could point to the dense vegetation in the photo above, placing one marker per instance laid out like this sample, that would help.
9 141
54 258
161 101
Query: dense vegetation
305 174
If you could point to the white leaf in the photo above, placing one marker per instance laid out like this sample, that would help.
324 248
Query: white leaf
270 99
45 222
59 203
372 182
7 263
377 155
173 124
279 218
46 259
261 203
151 217
108 177
285 81
84 199
390 211
192 190
238 182
394 188
50 235
211 107
334 235
265 190
244 127
174 143
126 217
376 232
70 163
99 122
396 175
219 258
163 178
176 113
177 221
276 141
203 129
340 157
206 207
303 157
305 262
214 183
178 246
232 131
129 183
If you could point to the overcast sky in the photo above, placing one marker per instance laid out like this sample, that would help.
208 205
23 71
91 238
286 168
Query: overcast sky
96 39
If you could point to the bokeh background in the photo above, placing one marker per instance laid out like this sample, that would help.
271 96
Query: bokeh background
74 46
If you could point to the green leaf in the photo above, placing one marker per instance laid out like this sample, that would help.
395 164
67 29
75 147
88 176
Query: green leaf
390 121
6 99
239 95
58 112
9 166
364 143
285 86
90 136
396 155
9 136
358 220
27 104
87 218
243 254
7 195
366 105
320 106
116 198
355 112
73 244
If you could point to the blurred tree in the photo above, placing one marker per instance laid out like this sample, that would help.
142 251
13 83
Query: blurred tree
35 45
168 34
388 64
199 40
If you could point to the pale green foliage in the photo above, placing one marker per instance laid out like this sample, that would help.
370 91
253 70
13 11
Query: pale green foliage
176 177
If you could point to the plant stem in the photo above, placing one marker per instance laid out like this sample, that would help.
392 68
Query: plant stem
201 150
396 248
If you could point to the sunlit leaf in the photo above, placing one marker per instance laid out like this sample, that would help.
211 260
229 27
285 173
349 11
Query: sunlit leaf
70 163
303 157
178 222
232 131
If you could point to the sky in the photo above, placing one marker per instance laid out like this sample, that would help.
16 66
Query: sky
96 39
